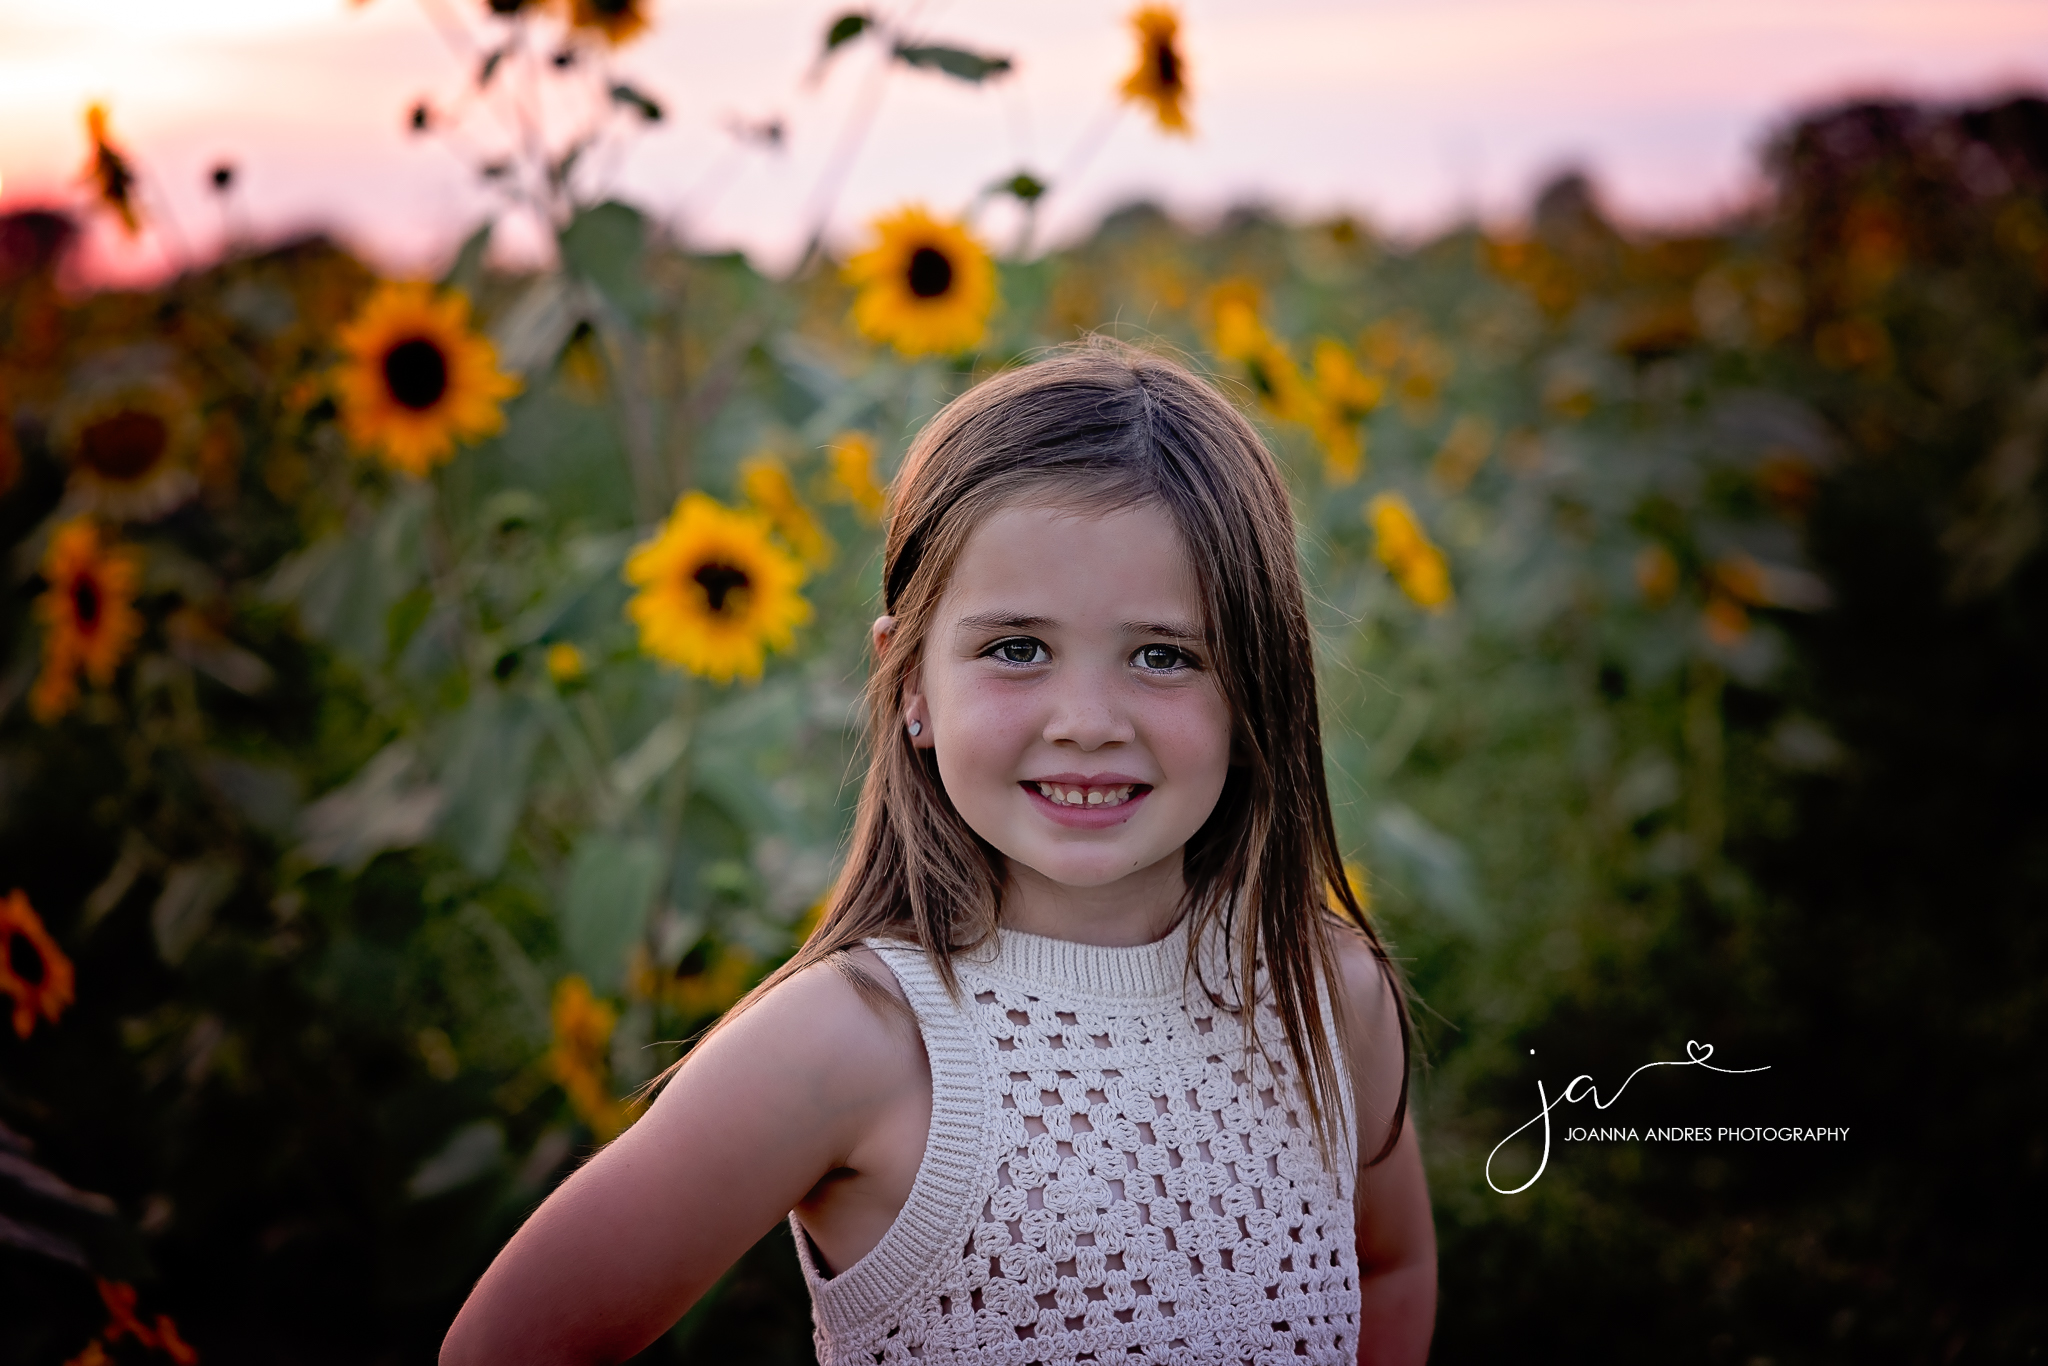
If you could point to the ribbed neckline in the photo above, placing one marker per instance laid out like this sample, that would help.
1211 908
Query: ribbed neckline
1141 972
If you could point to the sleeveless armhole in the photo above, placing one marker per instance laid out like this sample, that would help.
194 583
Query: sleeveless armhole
923 1243
1348 1131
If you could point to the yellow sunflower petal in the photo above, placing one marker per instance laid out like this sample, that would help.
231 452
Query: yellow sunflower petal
926 287
418 379
54 986
130 440
1409 555
88 614
851 477
1160 78
616 21
767 486
716 593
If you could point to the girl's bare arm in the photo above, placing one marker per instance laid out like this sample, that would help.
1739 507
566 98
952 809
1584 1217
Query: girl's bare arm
1396 1234
756 1117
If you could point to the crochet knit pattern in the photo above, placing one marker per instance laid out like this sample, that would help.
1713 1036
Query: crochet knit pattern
1109 1177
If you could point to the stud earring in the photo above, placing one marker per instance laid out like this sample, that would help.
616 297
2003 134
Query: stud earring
916 729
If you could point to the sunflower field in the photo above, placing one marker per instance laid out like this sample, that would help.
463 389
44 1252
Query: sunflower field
426 705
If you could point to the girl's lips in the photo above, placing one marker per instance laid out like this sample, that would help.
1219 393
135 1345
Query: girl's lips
1085 817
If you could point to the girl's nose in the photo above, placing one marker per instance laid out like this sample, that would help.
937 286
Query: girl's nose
1089 718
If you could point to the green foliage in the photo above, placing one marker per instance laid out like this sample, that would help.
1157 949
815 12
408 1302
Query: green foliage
1721 717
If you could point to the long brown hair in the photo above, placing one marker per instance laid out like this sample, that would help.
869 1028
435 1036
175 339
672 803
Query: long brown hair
1104 425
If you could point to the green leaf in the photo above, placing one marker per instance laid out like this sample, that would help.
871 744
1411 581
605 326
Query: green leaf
604 244
958 62
184 909
604 905
639 768
475 1150
1431 862
466 272
265 795
385 806
1023 185
345 586
485 778
490 67
633 99
846 28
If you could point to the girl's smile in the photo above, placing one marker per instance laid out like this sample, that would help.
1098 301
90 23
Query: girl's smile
1083 802
1068 689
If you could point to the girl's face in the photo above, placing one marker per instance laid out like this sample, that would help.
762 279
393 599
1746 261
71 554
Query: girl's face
1069 692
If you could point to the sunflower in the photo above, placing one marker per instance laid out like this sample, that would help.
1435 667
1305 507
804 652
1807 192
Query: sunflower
617 21
1343 396
130 438
51 988
1656 574
109 171
583 1028
565 662
1160 79
88 613
1465 449
418 379
767 486
1234 307
715 592
851 476
926 287
1408 553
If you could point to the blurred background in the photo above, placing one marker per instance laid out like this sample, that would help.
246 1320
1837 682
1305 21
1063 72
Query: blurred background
443 451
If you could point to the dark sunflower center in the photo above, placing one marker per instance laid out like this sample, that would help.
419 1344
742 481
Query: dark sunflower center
26 959
85 601
931 274
125 446
1166 66
721 581
417 373
612 9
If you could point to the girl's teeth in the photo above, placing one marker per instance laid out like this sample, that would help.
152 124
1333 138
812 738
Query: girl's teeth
1077 796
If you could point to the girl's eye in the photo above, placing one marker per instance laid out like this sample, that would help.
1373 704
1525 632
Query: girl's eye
1022 650
1162 657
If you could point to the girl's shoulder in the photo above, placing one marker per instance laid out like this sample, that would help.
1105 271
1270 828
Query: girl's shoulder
842 1022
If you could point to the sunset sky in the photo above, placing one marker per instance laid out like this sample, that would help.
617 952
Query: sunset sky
1406 112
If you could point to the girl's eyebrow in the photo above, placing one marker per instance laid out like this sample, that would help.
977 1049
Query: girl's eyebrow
1002 621
1015 621
1172 630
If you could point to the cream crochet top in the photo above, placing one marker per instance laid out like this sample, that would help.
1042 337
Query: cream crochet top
1109 1176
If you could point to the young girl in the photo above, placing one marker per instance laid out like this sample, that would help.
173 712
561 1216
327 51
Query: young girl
1095 1056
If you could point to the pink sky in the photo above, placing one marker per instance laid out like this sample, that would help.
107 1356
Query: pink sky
1407 112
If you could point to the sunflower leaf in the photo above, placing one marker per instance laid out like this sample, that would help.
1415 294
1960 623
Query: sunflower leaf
604 904
467 271
485 777
1023 185
384 806
604 245
643 104
184 909
954 61
846 28
492 59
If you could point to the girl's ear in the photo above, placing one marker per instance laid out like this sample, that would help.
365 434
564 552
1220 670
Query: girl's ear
916 719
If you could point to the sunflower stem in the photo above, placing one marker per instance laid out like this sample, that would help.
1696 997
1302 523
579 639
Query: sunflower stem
675 784
651 491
